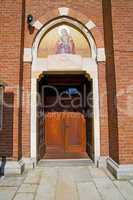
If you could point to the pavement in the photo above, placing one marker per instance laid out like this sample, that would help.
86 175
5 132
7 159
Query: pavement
65 183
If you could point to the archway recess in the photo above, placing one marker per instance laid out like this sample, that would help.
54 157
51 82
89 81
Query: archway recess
66 62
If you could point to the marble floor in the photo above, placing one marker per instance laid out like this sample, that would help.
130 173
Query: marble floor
65 183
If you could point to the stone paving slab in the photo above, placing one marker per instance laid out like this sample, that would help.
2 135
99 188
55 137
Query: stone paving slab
78 174
28 188
88 191
48 182
66 188
24 196
131 181
32 178
7 193
11 181
107 189
125 188
97 173
65 183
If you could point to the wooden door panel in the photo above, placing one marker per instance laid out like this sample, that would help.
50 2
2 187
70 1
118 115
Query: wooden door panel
75 133
72 131
65 133
54 133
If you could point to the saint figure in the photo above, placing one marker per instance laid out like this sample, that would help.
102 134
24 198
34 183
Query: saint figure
65 44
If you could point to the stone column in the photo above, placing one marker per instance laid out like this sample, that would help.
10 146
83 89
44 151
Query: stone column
96 118
34 119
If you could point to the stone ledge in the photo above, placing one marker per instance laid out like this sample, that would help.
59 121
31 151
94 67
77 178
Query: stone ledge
30 163
12 167
120 171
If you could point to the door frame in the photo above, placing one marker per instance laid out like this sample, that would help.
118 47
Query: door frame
96 113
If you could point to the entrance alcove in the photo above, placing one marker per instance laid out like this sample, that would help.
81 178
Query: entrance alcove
66 97
64 52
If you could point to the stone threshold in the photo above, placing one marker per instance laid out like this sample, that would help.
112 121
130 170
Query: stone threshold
64 162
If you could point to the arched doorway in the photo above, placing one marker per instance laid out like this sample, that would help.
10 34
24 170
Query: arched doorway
80 57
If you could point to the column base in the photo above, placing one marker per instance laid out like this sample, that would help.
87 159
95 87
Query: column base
102 161
12 167
120 171
30 163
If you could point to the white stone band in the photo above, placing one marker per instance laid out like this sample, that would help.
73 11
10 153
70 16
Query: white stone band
37 24
27 55
90 25
101 55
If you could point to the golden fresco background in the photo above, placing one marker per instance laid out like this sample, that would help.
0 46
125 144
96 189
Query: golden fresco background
48 44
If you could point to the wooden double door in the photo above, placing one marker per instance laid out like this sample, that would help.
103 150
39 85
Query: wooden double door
65 134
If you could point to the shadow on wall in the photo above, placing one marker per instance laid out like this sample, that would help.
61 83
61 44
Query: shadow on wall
6 134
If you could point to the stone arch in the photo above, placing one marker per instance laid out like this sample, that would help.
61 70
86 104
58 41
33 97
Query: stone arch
62 20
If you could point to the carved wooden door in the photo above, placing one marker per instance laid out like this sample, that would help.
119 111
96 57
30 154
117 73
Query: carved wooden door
75 133
65 133
54 136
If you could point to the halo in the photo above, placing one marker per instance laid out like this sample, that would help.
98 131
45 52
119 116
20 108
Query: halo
63 27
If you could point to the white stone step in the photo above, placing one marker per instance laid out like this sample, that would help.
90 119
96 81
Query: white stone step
65 162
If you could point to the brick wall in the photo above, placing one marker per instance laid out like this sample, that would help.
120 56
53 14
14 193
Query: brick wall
104 139
122 18
93 10
118 42
16 127
11 41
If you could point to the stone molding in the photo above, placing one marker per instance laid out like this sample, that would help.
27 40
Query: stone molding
30 163
90 25
37 24
120 171
27 55
101 55
12 167
102 162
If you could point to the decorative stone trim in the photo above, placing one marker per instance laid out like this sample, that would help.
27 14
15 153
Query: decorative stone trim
90 25
27 55
102 162
62 20
29 163
120 171
63 11
101 55
37 24
63 62
12 167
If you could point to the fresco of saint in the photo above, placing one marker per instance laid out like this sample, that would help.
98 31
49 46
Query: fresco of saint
65 44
